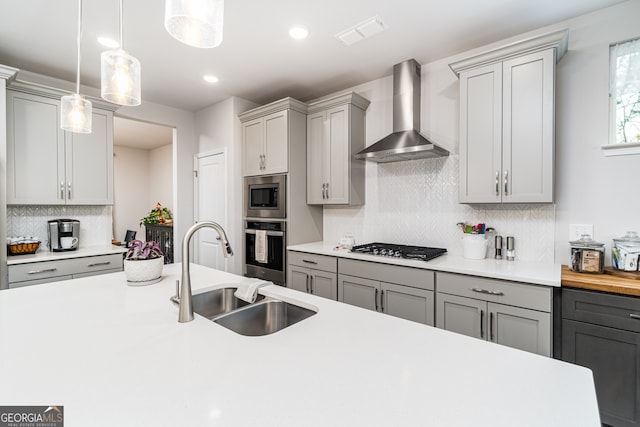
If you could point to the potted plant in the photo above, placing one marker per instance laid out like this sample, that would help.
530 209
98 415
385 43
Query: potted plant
143 263
158 215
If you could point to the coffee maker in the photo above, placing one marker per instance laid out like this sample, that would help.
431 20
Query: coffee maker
64 234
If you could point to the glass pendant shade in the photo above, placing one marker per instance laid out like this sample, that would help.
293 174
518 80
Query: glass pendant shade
120 77
75 114
197 23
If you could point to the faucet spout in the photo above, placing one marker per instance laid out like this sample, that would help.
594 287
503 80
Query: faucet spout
185 310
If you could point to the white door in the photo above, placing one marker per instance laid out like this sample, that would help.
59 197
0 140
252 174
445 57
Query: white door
211 205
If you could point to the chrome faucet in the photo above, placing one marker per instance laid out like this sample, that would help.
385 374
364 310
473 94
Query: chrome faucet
185 311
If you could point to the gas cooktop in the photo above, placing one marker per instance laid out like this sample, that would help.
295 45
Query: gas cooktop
399 251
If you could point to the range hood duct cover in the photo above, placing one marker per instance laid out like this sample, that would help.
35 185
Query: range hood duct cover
406 142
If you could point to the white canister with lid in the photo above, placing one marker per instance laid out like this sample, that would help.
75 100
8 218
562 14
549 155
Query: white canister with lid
474 246
625 251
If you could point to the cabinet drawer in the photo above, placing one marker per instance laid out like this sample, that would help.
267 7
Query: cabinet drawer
317 262
39 270
616 311
95 263
511 293
408 276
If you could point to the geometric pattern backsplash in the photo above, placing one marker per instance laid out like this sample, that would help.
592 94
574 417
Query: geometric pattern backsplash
31 220
415 202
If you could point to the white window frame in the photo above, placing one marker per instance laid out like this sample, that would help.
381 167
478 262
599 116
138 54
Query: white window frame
615 148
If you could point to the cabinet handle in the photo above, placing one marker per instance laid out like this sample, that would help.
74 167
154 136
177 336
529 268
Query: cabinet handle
311 284
481 323
487 291
497 183
46 270
309 261
97 264
491 326
306 283
69 189
327 190
376 299
506 180
62 190
634 316
382 300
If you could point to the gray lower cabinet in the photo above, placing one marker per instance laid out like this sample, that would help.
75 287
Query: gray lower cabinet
602 332
313 274
368 285
35 273
514 314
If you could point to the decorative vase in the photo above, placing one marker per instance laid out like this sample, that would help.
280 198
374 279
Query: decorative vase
140 272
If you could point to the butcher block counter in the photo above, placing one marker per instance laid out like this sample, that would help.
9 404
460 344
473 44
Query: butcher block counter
613 281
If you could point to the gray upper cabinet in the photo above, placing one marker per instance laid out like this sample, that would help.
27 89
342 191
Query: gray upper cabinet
507 112
335 132
267 133
514 314
48 166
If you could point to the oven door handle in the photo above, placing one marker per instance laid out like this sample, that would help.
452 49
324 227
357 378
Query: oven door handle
269 233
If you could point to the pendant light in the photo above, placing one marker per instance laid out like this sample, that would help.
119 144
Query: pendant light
197 23
75 110
120 74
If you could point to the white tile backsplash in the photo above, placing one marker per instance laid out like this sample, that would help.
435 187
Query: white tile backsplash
95 222
416 202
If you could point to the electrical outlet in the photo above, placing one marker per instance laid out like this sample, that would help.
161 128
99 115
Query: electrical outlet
577 230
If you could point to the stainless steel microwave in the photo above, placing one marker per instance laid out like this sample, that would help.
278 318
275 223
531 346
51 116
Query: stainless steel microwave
265 196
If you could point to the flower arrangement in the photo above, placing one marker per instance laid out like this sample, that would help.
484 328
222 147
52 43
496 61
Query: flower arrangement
158 215
139 250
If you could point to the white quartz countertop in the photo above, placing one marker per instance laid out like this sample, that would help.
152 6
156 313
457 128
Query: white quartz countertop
44 254
112 355
519 271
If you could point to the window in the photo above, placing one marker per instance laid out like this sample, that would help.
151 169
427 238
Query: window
624 93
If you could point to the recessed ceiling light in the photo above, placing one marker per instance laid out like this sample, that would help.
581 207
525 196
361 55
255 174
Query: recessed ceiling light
298 32
108 42
211 79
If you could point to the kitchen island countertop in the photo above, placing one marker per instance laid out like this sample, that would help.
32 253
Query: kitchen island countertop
547 274
113 354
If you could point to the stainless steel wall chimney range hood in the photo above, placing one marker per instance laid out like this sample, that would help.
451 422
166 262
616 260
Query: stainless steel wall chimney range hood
406 142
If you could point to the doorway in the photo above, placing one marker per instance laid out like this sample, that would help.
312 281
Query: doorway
143 173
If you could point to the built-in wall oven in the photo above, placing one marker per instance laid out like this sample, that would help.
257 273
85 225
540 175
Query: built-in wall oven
265 244
265 196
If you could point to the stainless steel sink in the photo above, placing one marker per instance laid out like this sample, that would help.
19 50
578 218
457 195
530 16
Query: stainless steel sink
264 318
214 303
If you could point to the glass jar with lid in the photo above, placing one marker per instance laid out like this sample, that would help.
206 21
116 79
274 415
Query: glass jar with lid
625 251
587 255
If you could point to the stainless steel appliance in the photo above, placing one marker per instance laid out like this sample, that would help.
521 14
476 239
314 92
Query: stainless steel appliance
265 196
274 266
64 234
399 251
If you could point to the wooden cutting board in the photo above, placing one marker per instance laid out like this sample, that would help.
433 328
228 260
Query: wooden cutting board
614 281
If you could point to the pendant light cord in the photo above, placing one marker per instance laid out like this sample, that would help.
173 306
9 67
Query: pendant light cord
78 43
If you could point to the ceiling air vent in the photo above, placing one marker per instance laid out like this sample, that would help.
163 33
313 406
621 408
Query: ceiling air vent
360 31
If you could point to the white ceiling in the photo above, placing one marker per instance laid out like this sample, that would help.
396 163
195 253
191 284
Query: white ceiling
257 60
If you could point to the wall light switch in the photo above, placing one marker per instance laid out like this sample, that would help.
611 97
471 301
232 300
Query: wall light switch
577 230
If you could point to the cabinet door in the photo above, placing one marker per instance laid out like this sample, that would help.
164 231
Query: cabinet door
520 328
614 357
324 284
528 128
35 150
481 135
276 138
89 163
298 278
465 316
316 142
337 157
407 303
253 146
358 291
